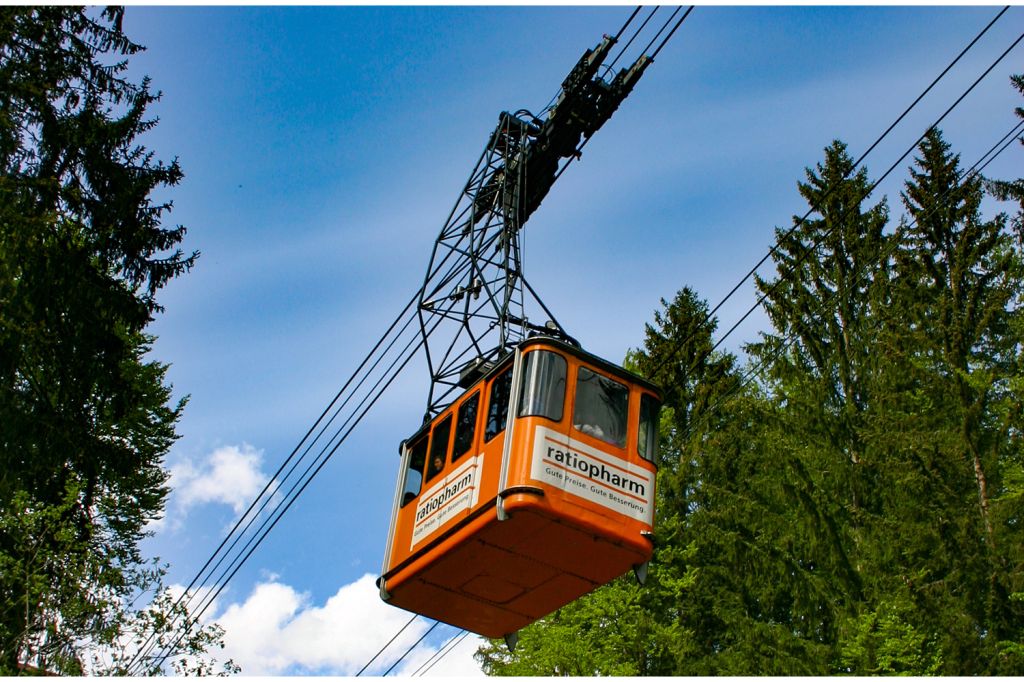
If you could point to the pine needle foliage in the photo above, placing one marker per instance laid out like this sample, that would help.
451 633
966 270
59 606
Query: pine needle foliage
859 508
85 417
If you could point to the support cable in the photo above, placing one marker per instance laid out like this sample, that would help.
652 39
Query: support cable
635 34
267 488
664 26
628 22
870 189
756 371
297 489
409 650
678 24
774 248
455 642
376 655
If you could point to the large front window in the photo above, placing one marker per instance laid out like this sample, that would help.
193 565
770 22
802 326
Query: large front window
602 406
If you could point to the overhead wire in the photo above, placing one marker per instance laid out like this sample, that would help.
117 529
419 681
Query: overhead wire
299 486
663 27
410 649
249 511
269 522
654 55
628 22
449 647
437 653
870 189
184 599
625 47
774 248
382 649
756 371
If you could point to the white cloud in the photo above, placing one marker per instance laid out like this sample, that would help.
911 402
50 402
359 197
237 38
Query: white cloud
231 475
278 631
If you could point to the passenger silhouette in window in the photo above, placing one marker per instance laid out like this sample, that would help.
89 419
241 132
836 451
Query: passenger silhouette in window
601 407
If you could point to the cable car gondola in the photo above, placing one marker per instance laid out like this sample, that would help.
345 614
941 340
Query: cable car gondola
531 489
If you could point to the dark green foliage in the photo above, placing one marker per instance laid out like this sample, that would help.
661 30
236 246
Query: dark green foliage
860 509
85 419
943 423
1012 190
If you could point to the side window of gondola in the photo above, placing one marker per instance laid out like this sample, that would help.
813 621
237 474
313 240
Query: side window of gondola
647 437
414 472
465 426
543 391
497 405
602 407
439 447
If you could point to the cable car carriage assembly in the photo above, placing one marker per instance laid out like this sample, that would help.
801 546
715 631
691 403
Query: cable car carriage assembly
531 489
532 479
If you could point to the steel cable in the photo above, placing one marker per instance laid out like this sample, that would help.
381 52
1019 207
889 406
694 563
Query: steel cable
449 647
300 485
974 171
773 250
410 649
376 655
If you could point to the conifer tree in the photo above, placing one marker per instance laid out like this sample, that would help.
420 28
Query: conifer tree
622 628
831 275
949 342
1008 499
85 416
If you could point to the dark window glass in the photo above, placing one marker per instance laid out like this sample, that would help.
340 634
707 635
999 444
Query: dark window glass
601 407
414 473
497 406
439 447
543 385
647 438
465 427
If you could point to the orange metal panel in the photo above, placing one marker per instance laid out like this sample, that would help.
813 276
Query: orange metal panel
575 513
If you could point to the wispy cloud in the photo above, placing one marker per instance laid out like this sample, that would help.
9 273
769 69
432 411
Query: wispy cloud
231 475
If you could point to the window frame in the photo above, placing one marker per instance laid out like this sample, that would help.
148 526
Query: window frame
528 364
474 399
654 420
409 495
625 412
502 415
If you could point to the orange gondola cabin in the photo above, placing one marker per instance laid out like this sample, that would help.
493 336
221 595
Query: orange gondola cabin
531 489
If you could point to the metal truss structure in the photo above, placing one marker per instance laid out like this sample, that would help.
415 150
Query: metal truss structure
475 302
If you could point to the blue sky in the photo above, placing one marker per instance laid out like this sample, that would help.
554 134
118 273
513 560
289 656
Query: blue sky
323 147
